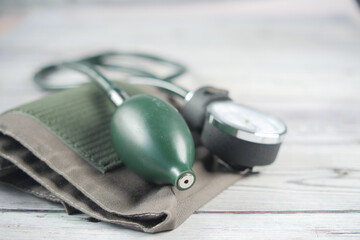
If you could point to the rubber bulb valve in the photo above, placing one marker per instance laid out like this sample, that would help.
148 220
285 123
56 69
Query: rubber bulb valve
152 139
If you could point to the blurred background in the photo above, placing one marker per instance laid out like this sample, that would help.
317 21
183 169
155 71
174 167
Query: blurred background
298 59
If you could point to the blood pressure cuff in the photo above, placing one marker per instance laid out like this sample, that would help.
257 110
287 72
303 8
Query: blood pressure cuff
59 148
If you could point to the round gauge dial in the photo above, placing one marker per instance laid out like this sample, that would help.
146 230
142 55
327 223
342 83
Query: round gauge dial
246 123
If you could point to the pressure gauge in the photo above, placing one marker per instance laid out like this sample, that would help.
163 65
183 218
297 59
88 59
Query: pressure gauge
239 135
245 123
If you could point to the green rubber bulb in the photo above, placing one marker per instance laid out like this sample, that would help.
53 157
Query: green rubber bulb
153 140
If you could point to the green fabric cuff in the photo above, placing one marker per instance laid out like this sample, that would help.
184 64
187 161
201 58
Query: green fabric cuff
43 146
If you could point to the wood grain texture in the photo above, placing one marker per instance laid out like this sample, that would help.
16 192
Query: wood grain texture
198 226
299 61
13 200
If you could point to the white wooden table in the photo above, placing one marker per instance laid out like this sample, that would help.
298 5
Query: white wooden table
299 60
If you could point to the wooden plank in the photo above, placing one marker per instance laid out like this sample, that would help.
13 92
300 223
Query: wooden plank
256 56
298 190
316 122
12 199
199 226
304 177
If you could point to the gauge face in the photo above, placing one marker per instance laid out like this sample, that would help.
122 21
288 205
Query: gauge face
246 123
